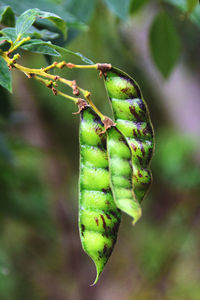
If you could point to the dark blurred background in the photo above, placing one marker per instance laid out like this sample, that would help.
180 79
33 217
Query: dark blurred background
40 252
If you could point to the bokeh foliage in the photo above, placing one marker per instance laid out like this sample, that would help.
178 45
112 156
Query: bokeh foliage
40 252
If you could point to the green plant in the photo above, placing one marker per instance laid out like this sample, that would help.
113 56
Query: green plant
109 160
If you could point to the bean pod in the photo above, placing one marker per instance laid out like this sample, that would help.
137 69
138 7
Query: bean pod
121 172
99 217
132 119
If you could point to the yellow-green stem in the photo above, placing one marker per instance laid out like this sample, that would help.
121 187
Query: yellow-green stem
51 84
43 73
13 48
70 65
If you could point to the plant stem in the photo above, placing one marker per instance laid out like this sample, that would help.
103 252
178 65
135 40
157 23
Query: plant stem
40 74
13 48
50 84
72 66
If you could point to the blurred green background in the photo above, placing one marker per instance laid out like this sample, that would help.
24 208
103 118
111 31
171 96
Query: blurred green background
40 252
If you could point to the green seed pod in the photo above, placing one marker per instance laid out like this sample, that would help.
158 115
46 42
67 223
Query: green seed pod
132 119
121 172
99 217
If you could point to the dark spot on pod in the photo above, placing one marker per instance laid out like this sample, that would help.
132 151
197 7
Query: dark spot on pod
134 133
149 173
104 223
100 255
82 229
109 217
135 177
140 159
139 128
105 248
97 221
125 90
130 180
113 214
116 216
145 131
115 228
142 148
148 129
133 112
99 146
150 153
105 234
103 140
104 191
134 147
96 118
138 94
107 202
141 105
97 130
139 174
121 139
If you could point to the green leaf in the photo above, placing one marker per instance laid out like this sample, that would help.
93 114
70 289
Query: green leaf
137 5
60 23
195 16
42 34
9 33
183 6
77 54
119 7
83 58
25 20
4 38
5 75
38 46
164 43
82 10
7 16
64 10
191 4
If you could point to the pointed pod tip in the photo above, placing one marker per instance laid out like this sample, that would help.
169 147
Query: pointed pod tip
97 276
137 215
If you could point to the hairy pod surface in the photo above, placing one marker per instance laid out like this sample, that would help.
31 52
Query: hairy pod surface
121 172
99 217
132 119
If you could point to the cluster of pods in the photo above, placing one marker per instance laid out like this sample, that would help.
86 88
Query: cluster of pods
114 166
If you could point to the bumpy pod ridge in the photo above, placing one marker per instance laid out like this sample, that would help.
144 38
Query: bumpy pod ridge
132 119
121 172
99 217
